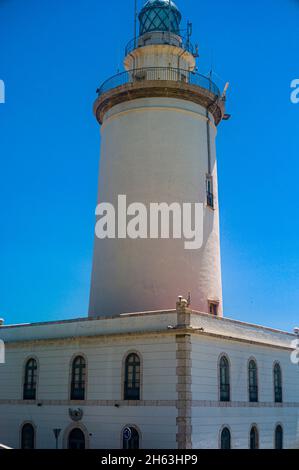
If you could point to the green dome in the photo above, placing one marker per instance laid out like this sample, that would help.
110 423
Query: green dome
156 15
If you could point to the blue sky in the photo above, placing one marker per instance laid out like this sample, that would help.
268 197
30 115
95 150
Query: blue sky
54 54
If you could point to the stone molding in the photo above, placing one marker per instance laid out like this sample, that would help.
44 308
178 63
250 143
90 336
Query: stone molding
162 89
241 404
146 314
84 403
149 403
110 337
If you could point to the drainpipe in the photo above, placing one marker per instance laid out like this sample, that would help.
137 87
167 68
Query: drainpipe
209 135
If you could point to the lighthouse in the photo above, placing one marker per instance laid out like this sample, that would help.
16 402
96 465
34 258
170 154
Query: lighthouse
158 122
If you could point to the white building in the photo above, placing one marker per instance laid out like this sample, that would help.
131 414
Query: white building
159 378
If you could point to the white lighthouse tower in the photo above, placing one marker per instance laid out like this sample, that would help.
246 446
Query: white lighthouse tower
159 123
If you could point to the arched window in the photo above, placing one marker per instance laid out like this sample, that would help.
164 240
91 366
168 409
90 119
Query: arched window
76 440
30 380
278 438
253 381
224 375
78 378
225 439
254 438
277 384
132 377
130 438
27 437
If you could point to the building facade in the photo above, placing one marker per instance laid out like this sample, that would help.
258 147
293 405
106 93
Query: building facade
162 377
180 379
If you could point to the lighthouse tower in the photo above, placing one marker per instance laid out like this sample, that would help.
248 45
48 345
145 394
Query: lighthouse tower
158 122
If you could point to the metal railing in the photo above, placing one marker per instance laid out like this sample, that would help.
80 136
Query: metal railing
161 37
159 74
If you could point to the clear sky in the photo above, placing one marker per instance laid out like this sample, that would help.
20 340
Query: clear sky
53 56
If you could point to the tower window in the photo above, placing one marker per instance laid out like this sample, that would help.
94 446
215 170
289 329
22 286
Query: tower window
132 377
30 380
213 308
78 378
224 378
210 192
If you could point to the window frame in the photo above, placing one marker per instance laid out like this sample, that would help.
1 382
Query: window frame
70 428
33 427
214 303
275 388
255 428
225 428
124 375
76 428
25 377
71 381
279 425
137 429
225 357
209 191
250 399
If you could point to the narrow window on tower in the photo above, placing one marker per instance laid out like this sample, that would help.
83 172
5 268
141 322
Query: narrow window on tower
213 308
279 438
210 193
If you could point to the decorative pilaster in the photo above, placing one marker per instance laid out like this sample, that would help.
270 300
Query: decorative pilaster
184 378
